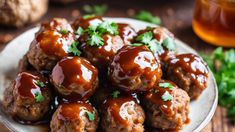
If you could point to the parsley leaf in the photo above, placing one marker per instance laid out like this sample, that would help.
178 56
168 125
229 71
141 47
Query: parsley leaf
155 91
155 46
169 43
79 31
115 94
166 85
109 27
95 39
96 9
137 44
90 115
74 49
88 16
145 37
148 17
38 97
64 31
166 96
40 84
222 64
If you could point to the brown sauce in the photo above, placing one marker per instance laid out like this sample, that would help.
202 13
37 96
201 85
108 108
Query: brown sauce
126 32
155 96
193 65
75 74
85 23
116 107
26 86
54 43
73 111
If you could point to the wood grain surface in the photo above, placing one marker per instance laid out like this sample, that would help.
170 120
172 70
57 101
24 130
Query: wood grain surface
176 15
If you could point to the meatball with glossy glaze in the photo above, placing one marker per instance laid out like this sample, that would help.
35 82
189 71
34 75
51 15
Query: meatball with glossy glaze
75 78
189 72
166 106
134 68
122 114
75 117
28 97
126 32
49 46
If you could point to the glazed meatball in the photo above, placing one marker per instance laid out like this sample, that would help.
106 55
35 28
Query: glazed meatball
166 106
189 72
122 114
24 65
75 117
98 55
49 46
134 68
126 32
162 34
75 78
28 97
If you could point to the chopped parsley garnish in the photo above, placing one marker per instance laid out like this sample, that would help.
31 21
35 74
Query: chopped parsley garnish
148 40
39 83
166 96
137 44
155 90
88 16
148 17
95 39
166 85
115 94
38 97
79 31
222 64
108 27
90 115
74 49
96 9
169 43
64 31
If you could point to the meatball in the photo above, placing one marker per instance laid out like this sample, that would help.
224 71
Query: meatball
122 114
74 78
24 65
28 97
134 68
162 34
49 46
126 32
84 23
166 106
75 117
101 56
189 72
20 12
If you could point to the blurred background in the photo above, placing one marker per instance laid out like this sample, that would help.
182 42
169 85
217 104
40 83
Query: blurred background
176 15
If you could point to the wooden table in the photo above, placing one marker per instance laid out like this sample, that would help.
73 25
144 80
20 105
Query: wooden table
176 15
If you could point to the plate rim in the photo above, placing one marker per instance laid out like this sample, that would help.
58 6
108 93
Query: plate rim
199 127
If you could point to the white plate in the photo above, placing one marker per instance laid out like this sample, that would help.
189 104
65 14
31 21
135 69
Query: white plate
201 110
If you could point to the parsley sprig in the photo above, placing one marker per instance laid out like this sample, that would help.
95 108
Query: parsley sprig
166 85
40 84
167 96
91 116
222 64
39 97
73 49
96 9
148 17
116 94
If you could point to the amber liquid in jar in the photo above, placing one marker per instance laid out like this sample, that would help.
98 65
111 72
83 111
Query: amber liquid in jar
214 21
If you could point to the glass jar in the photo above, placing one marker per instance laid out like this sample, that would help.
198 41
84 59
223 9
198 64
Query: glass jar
214 21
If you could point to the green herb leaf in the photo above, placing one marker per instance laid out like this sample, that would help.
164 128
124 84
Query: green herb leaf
145 37
38 97
88 16
64 31
95 40
79 31
115 94
155 46
39 83
166 96
148 17
222 64
90 115
137 44
169 43
109 27
155 91
74 49
96 9
166 85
